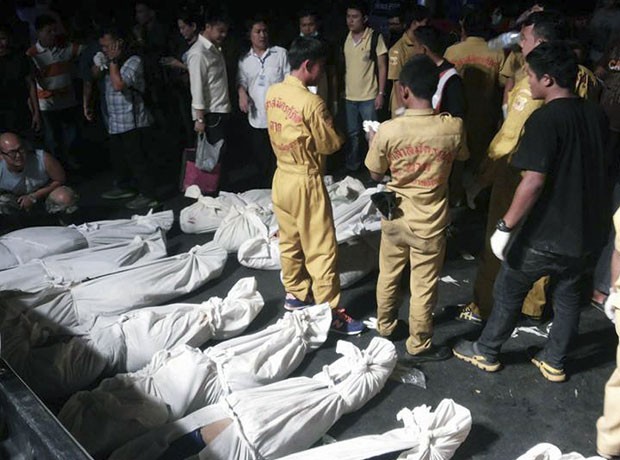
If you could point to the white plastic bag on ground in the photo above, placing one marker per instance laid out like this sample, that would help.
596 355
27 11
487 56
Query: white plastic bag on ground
260 252
547 451
119 230
76 266
426 435
356 259
26 244
125 343
242 224
73 310
207 213
184 379
283 417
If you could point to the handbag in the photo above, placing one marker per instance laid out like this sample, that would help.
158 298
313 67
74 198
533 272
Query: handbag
207 154
191 174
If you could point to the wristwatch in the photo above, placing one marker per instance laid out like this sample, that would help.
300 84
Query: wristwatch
200 120
502 227
32 198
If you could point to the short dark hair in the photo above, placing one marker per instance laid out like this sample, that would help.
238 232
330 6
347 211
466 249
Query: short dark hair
359 5
217 14
420 75
256 19
189 16
416 13
306 48
432 38
476 23
42 21
556 59
548 25
308 11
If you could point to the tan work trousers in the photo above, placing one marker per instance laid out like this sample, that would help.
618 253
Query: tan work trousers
399 245
608 425
505 184
308 247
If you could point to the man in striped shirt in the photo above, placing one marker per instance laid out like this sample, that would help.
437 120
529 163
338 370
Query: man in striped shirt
54 72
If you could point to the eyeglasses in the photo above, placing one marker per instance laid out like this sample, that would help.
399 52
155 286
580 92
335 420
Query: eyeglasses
12 154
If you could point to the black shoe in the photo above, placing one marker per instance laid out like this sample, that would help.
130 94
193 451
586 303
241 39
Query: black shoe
468 352
434 353
551 373
400 332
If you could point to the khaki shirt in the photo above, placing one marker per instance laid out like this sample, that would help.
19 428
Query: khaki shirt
301 128
513 66
478 65
418 149
399 53
520 107
359 79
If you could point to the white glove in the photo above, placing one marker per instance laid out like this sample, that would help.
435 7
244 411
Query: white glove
100 60
610 306
371 323
499 241
369 124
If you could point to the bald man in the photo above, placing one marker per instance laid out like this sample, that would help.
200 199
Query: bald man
29 178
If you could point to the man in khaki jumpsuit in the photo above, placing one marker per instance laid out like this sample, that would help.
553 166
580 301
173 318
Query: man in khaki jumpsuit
539 27
608 425
479 68
302 133
406 46
418 148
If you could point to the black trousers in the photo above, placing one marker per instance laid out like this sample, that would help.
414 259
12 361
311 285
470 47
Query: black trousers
129 154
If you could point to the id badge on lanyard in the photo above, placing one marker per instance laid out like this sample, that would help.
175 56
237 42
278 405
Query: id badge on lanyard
261 79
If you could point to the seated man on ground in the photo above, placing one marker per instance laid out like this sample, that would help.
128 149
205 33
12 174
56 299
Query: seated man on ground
31 181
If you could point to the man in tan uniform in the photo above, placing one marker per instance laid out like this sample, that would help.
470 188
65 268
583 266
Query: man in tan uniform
479 67
406 46
608 425
365 76
418 148
539 27
302 133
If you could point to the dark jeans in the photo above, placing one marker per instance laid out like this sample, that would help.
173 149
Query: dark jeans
569 277
263 156
130 159
60 130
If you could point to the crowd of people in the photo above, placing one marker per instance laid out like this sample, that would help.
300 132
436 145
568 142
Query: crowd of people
511 108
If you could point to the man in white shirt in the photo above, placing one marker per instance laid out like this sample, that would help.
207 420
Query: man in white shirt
209 80
259 68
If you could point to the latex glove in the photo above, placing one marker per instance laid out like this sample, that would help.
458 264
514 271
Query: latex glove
610 306
499 242
100 60
370 323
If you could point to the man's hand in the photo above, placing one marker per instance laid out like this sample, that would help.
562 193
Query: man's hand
36 122
89 113
379 100
499 242
199 126
114 51
26 202
244 100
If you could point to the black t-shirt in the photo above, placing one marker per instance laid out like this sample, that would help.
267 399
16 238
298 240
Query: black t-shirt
565 139
14 68
453 96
